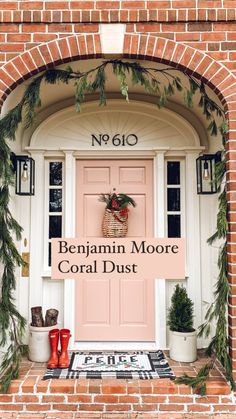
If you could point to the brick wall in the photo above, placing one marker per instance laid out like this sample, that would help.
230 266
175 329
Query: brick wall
206 25
195 35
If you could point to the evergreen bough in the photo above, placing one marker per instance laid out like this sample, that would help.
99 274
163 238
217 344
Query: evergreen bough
180 315
115 201
161 84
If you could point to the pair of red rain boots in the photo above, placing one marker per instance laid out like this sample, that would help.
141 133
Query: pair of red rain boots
59 360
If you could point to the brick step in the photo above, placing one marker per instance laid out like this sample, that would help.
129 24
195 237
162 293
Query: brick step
73 415
114 396
30 395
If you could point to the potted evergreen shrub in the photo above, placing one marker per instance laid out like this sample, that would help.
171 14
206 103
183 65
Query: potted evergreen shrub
183 337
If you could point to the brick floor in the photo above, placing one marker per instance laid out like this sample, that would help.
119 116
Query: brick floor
30 397
59 415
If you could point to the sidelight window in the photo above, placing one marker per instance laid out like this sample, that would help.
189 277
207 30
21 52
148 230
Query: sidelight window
174 198
54 203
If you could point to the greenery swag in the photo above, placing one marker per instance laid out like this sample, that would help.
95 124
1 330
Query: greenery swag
161 84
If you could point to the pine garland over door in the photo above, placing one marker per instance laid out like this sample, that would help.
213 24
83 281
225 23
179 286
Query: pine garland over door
161 84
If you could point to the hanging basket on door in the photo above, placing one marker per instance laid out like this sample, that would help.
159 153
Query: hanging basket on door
115 219
114 224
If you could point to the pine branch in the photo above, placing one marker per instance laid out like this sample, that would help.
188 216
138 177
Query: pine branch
222 223
147 77
31 99
199 382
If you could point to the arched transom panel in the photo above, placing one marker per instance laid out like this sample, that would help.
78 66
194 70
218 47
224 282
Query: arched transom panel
153 127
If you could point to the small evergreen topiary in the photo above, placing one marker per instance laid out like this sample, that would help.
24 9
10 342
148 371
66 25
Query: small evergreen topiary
180 314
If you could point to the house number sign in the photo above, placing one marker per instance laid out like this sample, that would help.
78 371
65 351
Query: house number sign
117 140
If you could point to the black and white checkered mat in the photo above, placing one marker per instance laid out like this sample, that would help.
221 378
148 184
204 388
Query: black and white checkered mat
141 365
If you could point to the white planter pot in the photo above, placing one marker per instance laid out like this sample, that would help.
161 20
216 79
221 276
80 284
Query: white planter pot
183 346
39 347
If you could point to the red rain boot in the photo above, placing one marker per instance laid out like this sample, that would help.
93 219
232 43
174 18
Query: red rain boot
53 340
64 339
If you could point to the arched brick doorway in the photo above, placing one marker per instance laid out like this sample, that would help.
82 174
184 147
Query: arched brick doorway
142 47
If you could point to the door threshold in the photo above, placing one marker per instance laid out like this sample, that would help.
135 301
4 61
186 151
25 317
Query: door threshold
106 346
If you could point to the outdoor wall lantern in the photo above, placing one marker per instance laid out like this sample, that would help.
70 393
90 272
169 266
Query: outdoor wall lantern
24 168
206 176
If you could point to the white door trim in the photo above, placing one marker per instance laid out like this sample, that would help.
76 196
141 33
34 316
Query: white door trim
37 234
69 205
69 287
193 242
193 231
159 228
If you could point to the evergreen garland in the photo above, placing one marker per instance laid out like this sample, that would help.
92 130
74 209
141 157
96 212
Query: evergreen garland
161 84
218 347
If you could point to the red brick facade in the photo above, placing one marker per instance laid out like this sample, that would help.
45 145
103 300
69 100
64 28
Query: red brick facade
208 26
196 35
25 25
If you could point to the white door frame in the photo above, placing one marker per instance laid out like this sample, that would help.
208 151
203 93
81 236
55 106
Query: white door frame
193 234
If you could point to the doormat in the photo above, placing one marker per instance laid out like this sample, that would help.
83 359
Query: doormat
142 365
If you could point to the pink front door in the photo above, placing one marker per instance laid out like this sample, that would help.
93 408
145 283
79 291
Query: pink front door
111 309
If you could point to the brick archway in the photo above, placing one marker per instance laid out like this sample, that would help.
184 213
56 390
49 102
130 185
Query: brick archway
45 56
147 47
182 57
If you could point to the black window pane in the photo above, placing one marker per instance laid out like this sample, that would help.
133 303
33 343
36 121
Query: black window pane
174 226
54 226
173 199
55 173
173 173
55 200
49 253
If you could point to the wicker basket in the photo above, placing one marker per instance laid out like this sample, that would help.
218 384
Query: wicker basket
114 224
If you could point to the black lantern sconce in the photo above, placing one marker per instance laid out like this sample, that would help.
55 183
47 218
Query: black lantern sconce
24 168
206 173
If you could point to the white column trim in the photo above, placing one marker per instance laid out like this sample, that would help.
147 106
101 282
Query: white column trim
37 234
69 231
193 238
159 228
